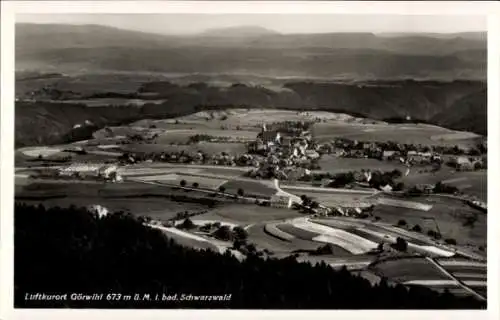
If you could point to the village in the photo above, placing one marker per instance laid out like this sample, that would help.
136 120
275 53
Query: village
287 153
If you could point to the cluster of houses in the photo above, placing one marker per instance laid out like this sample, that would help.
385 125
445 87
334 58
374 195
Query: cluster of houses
108 172
464 163
198 157
284 156
406 153
83 171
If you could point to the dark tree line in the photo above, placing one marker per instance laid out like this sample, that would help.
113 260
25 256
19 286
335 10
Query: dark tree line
72 250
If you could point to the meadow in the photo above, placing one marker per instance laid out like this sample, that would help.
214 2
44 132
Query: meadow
248 213
408 269
473 183
250 188
330 198
104 102
333 164
263 240
209 148
175 179
183 135
401 133
449 214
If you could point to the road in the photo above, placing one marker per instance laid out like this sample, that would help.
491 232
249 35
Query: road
252 199
457 281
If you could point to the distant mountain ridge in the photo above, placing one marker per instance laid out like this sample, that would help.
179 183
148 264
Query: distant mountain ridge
260 51
301 59
241 31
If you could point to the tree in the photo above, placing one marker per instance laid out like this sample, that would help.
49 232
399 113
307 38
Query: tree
196 184
434 234
396 173
251 248
206 227
451 241
416 228
183 183
401 223
314 204
237 244
223 233
306 201
399 186
401 244
240 192
187 224
240 233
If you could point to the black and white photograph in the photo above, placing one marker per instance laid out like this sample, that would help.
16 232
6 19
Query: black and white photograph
250 161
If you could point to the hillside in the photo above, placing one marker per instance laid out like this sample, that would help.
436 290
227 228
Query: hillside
242 31
65 250
249 50
468 113
459 105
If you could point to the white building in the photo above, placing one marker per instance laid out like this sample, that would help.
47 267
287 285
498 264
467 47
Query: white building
108 171
280 201
312 154
92 170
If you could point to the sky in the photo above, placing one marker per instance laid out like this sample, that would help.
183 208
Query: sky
183 24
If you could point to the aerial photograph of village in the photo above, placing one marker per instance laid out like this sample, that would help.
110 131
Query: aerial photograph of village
250 162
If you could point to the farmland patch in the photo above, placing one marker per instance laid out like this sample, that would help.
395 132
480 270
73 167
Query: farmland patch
448 215
43 151
404 204
335 164
250 188
411 133
249 213
297 232
263 240
409 269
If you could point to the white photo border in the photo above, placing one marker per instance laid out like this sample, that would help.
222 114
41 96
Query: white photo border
10 8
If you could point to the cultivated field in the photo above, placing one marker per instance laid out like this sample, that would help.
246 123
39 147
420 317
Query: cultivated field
404 204
157 209
209 148
172 178
334 164
354 263
103 102
409 269
43 151
137 198
248 213
263 240
331 198
302 228
472 183
166 168
178 136
188 239
401 133
465 270
449 214
250 188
